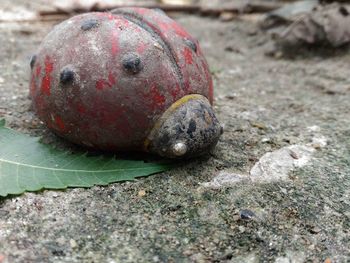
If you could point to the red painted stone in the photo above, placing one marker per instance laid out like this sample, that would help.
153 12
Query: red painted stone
129 67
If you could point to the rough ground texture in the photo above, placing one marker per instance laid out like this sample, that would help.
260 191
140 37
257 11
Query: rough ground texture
266 104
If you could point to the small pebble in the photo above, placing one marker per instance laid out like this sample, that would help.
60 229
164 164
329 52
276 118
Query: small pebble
73 243
265 140
246 214
259 125
294 155
142 193
231 97
315 230
241 229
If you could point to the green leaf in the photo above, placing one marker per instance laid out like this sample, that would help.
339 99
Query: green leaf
28 165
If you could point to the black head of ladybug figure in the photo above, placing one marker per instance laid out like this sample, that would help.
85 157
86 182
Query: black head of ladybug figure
188 128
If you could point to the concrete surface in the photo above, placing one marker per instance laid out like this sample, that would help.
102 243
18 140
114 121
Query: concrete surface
266 105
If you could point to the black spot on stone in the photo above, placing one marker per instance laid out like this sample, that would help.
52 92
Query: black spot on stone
164 140
88 24
66 76
192 127
132 63
191 44
179 129
343 11
246 214
32 61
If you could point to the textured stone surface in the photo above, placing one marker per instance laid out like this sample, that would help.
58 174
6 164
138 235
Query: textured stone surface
104 80
265 104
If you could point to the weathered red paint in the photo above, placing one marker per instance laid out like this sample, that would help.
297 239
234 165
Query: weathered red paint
46 81
115 44
121 23
81 108
179 30
175 92
60 124
107 106
163 26
188 55
39 104
38 71
111 79
141 48
103 84
156 97
141 11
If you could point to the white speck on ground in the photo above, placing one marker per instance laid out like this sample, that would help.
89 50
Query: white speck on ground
275 166
272 166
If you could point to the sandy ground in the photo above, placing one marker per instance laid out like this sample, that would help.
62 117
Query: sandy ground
297 212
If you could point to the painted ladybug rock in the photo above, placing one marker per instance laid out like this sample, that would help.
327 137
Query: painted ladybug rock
129 80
